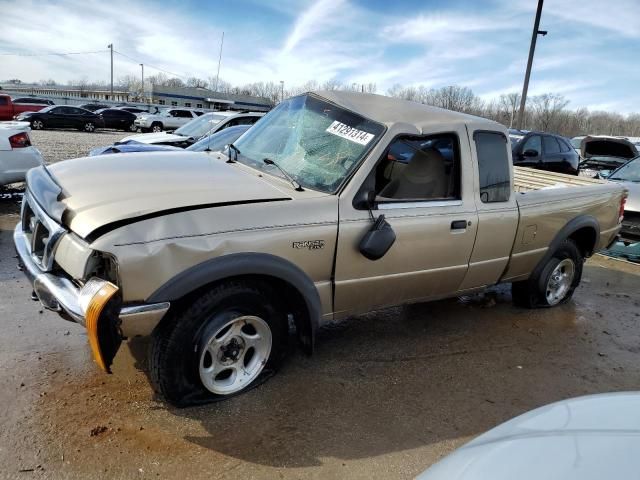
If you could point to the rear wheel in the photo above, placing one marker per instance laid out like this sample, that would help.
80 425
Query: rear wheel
37 124
553 283
230 339
156 127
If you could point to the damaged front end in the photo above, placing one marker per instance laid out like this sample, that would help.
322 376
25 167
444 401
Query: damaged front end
55 262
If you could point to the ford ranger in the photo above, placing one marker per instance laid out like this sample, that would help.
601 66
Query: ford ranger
332 204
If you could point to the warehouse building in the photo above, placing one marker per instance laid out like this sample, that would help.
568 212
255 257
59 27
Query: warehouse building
159 96
197 97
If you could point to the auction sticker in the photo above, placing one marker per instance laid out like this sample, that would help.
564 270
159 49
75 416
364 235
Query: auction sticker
350 133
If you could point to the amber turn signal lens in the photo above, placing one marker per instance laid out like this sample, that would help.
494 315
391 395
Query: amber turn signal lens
93 312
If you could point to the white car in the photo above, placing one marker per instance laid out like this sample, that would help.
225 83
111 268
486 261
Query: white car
196 129
168 119
17 155
584 438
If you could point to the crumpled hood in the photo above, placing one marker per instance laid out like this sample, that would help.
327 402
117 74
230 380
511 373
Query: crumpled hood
99 191
604 146
592 437
151 138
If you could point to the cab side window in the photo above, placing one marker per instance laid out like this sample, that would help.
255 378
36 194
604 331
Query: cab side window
420 168
493 166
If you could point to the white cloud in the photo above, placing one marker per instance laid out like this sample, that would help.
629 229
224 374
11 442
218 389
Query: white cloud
483 47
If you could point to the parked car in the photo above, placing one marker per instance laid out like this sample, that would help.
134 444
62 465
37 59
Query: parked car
10 110
516 135
132 147
92 107
34 100
575 143
218 141
585 438
603 154
168 119
118 119
63 117
545 151
629 176
17 155
133 109
308 219
214 142
198 128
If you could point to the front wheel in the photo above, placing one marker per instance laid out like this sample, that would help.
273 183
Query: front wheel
89 127
37 124
156 127
228 340
554 282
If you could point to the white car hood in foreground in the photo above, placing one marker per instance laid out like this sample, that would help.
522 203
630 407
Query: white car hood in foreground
155 138
593 437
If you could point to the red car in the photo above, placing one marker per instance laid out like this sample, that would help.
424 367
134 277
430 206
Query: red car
8 109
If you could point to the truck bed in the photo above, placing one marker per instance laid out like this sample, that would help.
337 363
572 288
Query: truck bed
528 179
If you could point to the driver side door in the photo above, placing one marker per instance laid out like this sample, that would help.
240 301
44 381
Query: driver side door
421 190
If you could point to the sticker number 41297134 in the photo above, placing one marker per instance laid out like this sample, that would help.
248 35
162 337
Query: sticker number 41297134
350 133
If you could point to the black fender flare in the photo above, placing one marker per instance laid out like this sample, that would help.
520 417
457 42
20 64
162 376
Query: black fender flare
241 264
571 227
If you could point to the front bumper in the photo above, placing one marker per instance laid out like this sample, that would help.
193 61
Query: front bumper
95 305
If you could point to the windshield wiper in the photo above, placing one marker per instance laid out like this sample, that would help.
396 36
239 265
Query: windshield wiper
295 184
235 151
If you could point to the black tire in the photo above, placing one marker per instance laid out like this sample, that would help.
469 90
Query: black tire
37 124
157 127
89 127
532 293
177 343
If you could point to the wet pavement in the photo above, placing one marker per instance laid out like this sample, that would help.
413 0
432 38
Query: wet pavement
385 395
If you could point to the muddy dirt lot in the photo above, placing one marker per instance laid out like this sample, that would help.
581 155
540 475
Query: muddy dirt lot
385 395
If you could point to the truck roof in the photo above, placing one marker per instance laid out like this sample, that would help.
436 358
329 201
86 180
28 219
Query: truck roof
390 111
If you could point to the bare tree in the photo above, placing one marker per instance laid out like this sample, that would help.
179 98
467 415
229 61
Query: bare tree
196 82
547 109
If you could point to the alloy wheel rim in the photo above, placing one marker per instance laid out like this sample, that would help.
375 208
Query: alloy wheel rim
157 129
560 281
235 355
37 124
89 127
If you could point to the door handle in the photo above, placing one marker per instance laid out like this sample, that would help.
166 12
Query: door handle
459 225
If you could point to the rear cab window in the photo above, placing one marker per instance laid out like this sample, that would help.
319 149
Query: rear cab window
493 166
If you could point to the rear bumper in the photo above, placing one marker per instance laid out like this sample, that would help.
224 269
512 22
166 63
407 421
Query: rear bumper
61 295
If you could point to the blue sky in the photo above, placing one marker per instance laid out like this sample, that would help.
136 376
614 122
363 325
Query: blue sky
590 54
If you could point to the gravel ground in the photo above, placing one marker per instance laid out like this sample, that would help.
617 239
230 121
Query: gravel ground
57 145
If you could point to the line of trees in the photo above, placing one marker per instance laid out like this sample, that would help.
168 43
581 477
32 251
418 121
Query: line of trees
548 112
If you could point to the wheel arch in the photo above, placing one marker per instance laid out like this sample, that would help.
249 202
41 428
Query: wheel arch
295 286
584 230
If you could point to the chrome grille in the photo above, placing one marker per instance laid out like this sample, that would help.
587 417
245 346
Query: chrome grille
42 232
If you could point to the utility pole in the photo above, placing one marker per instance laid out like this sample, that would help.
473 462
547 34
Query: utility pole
110 47
282 90
219 61
143 99
532 50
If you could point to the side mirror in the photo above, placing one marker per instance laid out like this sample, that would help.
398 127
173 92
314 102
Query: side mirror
378 240
530 153
365 200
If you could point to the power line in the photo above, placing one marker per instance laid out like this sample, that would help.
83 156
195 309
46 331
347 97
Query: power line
151 66
49 54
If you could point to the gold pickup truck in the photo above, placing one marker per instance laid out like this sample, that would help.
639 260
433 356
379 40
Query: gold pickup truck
333 204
